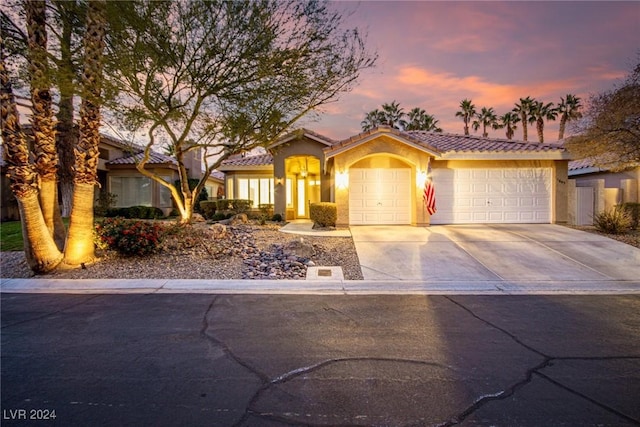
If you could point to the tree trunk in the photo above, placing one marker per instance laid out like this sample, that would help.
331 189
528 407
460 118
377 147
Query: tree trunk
48 197
80 246
563 123
540 126
66 136
524 127
41 251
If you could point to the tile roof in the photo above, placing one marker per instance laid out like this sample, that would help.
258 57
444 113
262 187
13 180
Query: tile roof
216 174
298 133
446 142
256 160
132 159
440 143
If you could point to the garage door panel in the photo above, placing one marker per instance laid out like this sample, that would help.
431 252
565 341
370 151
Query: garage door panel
380 196
515 195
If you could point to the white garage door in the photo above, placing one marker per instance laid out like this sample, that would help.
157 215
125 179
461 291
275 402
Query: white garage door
379 196
492 195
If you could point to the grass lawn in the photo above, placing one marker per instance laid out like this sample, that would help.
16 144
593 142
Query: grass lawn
11 236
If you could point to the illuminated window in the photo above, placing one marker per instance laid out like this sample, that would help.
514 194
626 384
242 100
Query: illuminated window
258 190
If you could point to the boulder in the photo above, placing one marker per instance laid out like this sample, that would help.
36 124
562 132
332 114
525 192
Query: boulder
219 230
196 217
299 248
239 219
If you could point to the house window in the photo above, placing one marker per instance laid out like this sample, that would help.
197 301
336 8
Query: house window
289 190
131 190
165 194
258 190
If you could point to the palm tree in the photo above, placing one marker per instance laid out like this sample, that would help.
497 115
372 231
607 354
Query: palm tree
41 251
467 112
420 120
372 120
42 119
80 247
539 113
508 121
486 117
569 110
523 110
393 115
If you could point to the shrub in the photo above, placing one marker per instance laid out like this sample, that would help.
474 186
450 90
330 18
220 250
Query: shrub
633 209
207 208
323 214
613 221
219 216
141 212
104 202
276 218
130 237
235 205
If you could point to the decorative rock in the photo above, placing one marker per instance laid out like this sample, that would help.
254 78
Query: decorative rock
239 219
196 217
219 230
299 248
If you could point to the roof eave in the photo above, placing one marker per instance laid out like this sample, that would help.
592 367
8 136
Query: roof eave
504 155
234 168
336 149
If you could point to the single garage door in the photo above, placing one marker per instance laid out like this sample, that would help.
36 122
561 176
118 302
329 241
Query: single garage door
520 195
379 196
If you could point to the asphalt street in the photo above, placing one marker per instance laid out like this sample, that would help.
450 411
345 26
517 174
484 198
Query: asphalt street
335 360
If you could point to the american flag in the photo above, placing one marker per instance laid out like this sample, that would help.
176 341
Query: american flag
430 196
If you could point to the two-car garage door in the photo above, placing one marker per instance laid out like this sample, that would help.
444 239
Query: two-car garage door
517 195
513 195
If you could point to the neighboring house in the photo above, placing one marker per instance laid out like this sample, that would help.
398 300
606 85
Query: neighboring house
378 177
598 189
117 174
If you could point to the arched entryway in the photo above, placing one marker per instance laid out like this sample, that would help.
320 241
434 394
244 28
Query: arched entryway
302 185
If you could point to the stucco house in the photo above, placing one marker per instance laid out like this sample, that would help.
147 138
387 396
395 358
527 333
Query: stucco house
117 174
378 177
599 188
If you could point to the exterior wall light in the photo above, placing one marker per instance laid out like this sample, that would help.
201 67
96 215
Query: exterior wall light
279 181
421 178
342 180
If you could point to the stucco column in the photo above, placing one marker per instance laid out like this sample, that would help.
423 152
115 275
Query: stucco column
279 189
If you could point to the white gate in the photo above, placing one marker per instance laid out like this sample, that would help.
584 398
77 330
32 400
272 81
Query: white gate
584 205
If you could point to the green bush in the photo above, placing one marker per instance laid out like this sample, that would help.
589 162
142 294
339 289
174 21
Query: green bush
633 209
140 212
276 218
323 214
235 205
219 216
104 202
613 221
208 209
130 237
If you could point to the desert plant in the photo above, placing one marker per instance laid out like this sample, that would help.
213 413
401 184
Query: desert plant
633 209
323 214
613 221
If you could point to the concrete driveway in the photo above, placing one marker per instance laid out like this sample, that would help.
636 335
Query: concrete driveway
504 253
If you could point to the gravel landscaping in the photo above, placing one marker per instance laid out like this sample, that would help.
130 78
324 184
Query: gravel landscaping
244 251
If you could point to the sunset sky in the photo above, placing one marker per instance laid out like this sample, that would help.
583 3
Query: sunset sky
434 54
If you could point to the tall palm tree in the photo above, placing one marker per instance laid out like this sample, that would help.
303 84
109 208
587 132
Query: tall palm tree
569 110
80 248
372 120
523 109
486 118
467 112
393 115
41 252
539 113
420 120
42 119
508 121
